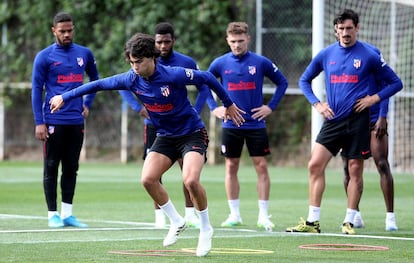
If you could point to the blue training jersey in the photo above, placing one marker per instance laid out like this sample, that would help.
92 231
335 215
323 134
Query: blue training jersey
164 95
243 78
348 76
180 60
379 109
58 69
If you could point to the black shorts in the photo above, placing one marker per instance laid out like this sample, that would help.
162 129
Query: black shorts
176 147
351 134
150 133
232 141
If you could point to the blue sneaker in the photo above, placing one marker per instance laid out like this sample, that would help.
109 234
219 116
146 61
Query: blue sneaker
72 221
55 221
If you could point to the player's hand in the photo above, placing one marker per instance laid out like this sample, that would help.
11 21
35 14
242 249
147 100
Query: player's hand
85 112
366 102
144 113
324 109
219 112
380 128
56 103
41 132
235 114
261 112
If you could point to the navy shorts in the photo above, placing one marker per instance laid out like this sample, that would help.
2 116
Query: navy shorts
175 147
232 141
150 134
351 134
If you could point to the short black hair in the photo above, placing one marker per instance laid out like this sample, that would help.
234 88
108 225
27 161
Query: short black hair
347 14
141 46
62 17
164 28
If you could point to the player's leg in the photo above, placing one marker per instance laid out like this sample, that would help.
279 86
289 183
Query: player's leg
150 134
379 148
258 146
193 162
320 158
232 145
52 156
358 221
72 145
190 214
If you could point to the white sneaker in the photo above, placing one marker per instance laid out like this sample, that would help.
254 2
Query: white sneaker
204 243
160 221
193 221
232 222
173 233
391 224
358 222
264 222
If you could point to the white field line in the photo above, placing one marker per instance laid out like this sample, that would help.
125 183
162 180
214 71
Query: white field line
219 232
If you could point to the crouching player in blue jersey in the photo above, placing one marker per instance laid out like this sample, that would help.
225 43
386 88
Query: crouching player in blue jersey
164 41
180 131
349 66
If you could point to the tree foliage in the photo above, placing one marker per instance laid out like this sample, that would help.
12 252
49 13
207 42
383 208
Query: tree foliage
105 25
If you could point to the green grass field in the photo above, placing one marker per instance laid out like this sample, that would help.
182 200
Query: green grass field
110 198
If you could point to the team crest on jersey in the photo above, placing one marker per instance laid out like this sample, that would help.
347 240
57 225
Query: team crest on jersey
165 91
357 63
80 61
252 70
51 129
189 73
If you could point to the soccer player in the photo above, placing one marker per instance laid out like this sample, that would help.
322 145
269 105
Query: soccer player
242 73
379 151
59 68
348 65
180 130
164 41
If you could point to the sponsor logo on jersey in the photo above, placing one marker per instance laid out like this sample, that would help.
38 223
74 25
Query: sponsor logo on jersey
344 78
241 85
70 78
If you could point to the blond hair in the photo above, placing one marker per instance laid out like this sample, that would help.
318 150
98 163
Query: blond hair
237 28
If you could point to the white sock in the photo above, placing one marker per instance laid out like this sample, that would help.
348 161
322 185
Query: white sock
204 220
234 206
171 212
314 214
158 213
50 214
66 210
189 212
350 215
263 208
390 216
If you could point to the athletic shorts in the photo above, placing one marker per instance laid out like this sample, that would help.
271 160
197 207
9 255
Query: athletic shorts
232 141
175 147
351 134
150 133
